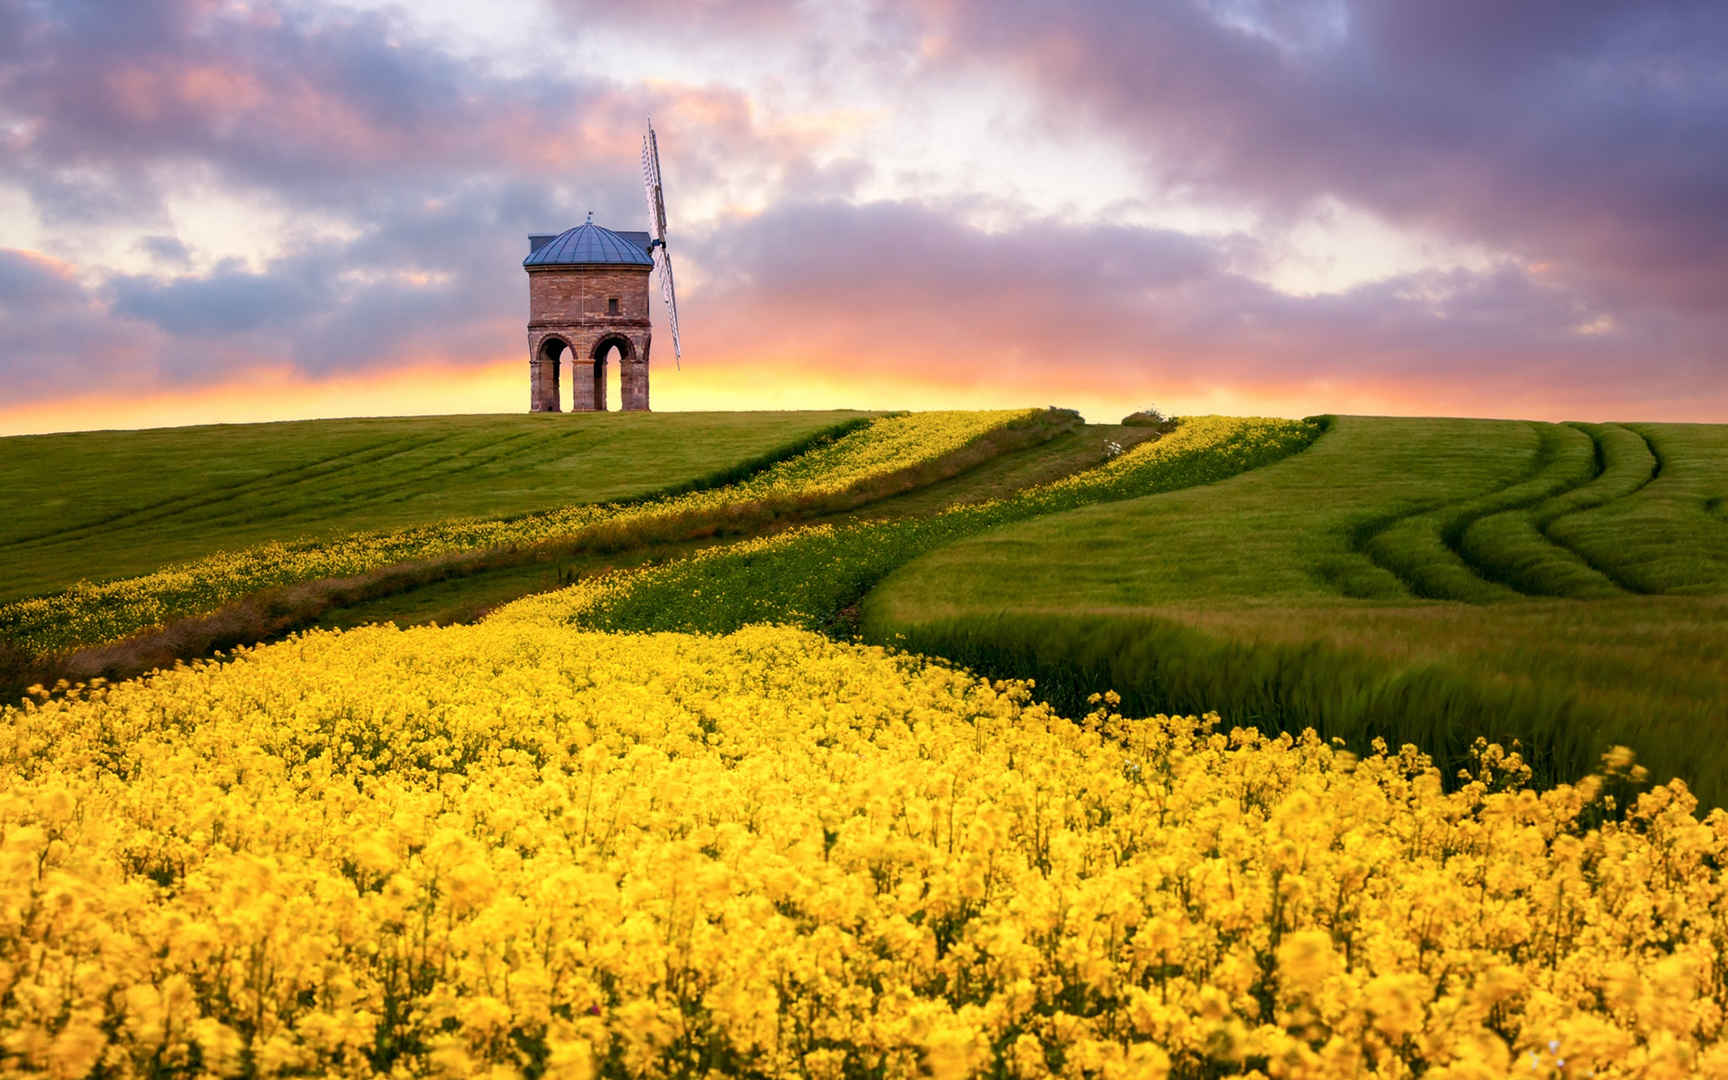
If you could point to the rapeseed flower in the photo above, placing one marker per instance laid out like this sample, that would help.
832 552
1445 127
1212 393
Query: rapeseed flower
520 848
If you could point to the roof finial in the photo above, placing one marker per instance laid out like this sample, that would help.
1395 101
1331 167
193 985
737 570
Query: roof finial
590 217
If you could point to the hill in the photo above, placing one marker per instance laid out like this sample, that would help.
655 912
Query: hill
109 504
125 625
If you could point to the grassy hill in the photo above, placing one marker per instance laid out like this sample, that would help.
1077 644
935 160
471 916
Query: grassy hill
109 504
1430 579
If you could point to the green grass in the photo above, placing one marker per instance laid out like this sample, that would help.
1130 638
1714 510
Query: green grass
1295 531
103 505
1422 549
1671 535
1515 546
1325 590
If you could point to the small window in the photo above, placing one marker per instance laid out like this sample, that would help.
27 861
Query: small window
612 306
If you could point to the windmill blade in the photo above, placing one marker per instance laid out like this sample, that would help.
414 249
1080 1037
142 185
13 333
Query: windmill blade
659 185
663 263
651 190
651 185
657 222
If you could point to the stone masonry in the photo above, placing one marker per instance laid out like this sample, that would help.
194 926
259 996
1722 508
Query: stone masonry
571 316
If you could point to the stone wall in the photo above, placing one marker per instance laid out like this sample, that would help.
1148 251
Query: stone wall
569 305
571 294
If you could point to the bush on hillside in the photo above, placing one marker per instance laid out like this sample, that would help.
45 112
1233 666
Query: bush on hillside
1152 417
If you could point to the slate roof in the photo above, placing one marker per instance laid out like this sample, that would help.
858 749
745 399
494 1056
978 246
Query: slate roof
590 245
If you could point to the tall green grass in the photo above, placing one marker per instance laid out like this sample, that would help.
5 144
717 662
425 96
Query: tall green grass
1161 666
1303 593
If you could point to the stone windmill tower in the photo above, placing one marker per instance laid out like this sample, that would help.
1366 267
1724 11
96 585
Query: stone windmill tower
588 299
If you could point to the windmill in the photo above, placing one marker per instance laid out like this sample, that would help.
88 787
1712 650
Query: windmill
657 222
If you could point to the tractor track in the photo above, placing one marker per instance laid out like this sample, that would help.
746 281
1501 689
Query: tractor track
1544 525
1363 538
1455 537
423 471
178 504
323 472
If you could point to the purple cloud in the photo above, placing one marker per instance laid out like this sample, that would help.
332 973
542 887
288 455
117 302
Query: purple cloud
908 291
1583 134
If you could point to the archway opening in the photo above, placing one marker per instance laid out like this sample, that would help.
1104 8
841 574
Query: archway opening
552 353
610 355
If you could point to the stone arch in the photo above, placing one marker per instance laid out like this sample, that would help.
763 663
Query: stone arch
626 350
546 362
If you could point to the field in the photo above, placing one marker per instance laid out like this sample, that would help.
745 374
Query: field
856 462
673 798
1402 577
112 504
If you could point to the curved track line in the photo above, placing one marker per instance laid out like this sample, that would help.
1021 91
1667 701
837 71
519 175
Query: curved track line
1540 513
1363 536
422 472
1452 535
1545 527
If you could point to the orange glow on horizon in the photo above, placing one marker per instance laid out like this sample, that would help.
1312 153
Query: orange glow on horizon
500 386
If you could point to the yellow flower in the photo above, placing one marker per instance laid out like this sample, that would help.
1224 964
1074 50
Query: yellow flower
516 845
1305 960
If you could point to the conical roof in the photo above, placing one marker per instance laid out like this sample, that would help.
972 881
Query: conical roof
589 244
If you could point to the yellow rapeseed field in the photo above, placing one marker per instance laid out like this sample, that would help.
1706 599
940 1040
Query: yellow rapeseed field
520 849
1218 440
93 613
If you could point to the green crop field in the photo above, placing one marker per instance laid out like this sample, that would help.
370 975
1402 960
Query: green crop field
109 504
1425 579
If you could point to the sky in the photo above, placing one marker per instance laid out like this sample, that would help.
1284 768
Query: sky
237 210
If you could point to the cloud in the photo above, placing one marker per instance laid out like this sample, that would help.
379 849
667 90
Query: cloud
227 301
423 281
29 279
112 109
55 335
900 302
1585 135
909 293
165 249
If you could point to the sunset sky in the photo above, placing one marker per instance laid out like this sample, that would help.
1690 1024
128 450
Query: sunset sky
216 210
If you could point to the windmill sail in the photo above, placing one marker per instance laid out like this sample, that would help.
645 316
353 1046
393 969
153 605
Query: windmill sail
657 222
665 266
